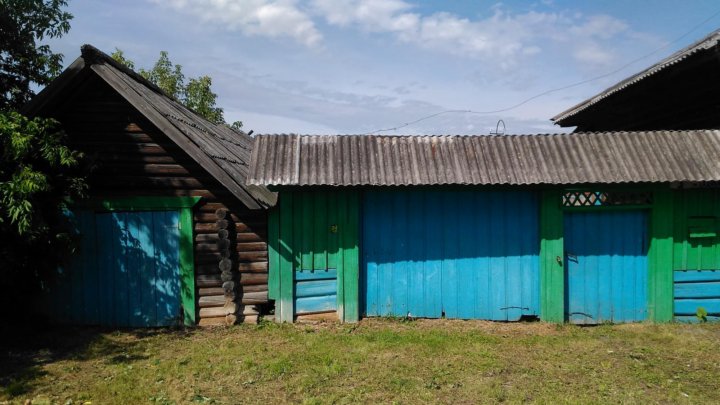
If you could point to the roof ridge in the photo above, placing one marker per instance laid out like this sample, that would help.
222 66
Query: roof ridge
585 133
94 55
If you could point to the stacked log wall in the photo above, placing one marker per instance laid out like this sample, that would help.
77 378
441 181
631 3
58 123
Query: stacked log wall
130 157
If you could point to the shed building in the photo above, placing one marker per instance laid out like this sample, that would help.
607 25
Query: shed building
583 228
171 233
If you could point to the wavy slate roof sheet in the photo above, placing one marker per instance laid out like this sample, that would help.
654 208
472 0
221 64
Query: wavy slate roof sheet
616 157
709 42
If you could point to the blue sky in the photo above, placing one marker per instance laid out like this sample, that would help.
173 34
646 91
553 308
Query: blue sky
356 66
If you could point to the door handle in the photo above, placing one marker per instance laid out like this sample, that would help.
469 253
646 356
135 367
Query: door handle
571 257
559 260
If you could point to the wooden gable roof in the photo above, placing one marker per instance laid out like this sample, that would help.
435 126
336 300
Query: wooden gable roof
678 92
220 150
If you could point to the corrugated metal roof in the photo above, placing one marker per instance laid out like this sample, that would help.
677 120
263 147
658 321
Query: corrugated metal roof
616 157
704 44
219 149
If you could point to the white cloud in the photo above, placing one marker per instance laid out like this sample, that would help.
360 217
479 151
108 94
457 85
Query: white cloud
281 18
592 54
599 26
439 31
481 62
371 15
504 37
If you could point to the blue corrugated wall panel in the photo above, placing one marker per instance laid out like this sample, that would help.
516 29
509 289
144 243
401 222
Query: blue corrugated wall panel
464 254
315 291
126 272
696 289
606 266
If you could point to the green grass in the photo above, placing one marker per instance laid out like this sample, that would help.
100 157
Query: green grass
375 361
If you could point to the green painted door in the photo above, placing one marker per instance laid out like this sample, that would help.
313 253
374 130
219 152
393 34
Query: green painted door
313 254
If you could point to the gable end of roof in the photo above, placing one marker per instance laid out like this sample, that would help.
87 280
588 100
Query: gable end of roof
223 152
711 42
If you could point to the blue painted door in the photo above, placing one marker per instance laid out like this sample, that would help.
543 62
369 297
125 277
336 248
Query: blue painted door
126 272
458 254
606 266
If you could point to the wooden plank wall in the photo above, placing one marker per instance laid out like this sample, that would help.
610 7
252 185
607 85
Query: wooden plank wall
303 246
132 158
695 289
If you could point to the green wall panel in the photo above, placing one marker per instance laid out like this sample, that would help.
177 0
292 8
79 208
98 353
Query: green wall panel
696 226
660 258
552 272
284 304
349 278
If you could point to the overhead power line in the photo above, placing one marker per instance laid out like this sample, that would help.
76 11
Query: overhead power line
554 90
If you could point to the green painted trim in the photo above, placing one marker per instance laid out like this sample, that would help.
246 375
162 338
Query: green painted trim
139 203
342 207
349 273
608 208
348 270
306 228
320 231
285 304
660 258
274 253
184 205
612 187
187 266
552 273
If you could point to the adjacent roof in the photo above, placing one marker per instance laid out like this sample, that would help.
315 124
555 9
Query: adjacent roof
617 157
705 44
223 152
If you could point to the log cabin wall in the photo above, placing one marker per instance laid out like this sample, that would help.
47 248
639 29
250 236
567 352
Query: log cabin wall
130 157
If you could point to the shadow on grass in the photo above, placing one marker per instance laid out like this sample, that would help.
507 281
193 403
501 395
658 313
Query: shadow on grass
25 350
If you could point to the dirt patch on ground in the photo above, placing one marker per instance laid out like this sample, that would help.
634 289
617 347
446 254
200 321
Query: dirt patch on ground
449 325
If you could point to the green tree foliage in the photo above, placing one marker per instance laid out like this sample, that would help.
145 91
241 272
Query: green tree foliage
201 99
39 173
23 60
195 94
35 174
119 56
167 76
39 178
237 125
